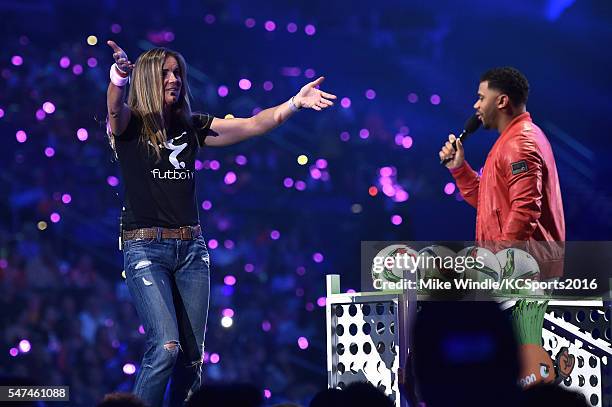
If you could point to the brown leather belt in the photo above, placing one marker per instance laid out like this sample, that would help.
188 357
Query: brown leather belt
183 233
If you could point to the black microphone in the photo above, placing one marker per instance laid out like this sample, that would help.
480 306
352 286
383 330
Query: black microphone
471 125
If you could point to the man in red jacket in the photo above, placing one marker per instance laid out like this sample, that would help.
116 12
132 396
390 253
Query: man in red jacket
517 197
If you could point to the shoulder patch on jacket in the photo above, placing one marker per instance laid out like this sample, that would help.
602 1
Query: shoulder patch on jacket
519 167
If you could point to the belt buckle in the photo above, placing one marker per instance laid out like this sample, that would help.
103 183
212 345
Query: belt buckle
186 233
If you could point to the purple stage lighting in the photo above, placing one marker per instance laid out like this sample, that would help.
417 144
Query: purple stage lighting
230 178
48 107
396 220
129 369
64 62
449 188
241 160
21 136
24 346
310 29
270 25
302 342
112 181
82 134
244 84
222 91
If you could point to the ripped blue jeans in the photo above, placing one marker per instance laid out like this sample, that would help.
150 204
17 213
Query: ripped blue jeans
169 281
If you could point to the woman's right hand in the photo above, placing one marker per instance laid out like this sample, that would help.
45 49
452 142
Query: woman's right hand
121 59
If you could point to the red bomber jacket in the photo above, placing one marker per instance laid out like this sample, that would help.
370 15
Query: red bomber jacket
517 197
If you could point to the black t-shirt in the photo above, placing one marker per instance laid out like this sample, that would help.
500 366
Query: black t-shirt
160 192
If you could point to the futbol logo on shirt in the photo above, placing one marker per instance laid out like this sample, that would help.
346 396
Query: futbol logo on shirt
173 158
177 149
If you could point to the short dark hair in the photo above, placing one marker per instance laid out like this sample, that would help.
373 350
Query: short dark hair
510 81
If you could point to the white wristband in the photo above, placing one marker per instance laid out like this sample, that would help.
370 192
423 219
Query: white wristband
292 105
117 79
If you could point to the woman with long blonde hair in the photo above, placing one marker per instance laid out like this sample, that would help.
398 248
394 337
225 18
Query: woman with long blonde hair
155 137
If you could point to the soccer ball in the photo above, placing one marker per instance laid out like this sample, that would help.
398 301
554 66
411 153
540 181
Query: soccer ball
395 273
437 262
517 264
490 268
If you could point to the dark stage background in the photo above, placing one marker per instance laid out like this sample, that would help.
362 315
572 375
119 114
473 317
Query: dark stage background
406 73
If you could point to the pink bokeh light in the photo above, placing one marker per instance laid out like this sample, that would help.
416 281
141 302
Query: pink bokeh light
302 343
449 188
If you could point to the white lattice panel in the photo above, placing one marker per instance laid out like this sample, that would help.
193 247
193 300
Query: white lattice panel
364 344
363 333
592 354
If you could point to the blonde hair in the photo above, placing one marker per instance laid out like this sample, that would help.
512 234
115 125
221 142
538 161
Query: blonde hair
146 97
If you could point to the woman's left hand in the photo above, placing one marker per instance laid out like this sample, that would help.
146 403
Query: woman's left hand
313 98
